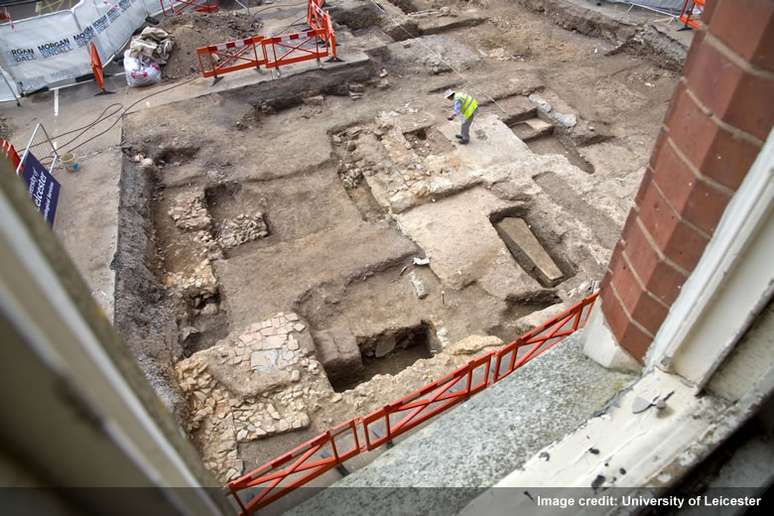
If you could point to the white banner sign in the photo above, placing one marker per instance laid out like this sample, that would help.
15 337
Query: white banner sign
54 48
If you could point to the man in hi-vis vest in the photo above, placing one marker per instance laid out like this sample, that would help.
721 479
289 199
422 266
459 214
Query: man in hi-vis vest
467 106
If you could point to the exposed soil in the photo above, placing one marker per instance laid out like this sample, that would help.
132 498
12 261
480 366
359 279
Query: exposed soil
553 145
338 200
410 344
5 128
193 30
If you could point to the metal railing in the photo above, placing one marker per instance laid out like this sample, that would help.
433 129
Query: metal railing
272 52
331 449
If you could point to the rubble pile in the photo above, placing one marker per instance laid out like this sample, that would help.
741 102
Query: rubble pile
242 229
196 287
361 154
265 380
258 382
190 212
351 165
421 172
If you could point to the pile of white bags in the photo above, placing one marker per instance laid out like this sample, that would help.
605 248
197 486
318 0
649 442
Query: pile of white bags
140 70
145 55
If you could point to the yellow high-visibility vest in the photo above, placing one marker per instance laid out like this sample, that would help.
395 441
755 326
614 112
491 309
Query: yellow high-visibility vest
469 104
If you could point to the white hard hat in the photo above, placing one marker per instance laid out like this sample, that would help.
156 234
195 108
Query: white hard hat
449 93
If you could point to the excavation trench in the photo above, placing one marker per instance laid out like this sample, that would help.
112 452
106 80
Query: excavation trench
309 258
387 354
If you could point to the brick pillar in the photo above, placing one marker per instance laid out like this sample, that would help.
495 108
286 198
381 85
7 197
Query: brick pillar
720 115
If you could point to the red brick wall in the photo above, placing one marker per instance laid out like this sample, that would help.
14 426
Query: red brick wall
721 113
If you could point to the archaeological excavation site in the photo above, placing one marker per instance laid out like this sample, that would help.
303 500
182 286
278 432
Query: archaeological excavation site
303 250
316 225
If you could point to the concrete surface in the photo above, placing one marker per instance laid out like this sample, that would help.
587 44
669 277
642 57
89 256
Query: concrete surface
624 451
479 442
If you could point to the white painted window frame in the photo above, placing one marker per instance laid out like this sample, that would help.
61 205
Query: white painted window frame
731 283
54 328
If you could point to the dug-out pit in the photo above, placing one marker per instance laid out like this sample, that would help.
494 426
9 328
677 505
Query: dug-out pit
543 137
388 353
540 256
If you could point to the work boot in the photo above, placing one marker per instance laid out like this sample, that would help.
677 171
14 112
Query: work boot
463 142
459 137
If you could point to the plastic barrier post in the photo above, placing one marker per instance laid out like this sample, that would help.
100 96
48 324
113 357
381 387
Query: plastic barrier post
96 67
686 14
332 42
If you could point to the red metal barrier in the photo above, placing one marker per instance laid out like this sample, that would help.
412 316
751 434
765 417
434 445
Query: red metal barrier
299 466
175 7
10 153
272 481
686 13
230 57
538 340
313 13
318 42
432 399
294 48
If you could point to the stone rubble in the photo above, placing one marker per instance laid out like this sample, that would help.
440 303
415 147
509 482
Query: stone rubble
255 383
242 229
419 173
190 212
352 167
265 380
196 287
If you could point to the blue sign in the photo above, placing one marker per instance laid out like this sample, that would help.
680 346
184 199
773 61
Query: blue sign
42 187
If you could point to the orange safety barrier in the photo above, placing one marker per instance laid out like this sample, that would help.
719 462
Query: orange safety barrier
329 450
686 13
540 339
96 68
319 19
294 48
5 16
419 406
271 484
175 7
10 152
315 13
215 60
318 42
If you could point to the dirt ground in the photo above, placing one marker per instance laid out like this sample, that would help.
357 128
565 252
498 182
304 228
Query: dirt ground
193 30
337 199
334 178
5 128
